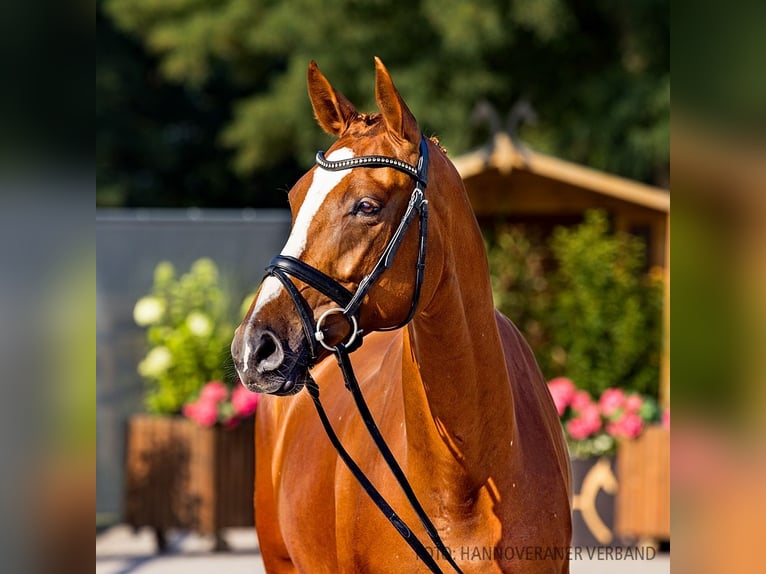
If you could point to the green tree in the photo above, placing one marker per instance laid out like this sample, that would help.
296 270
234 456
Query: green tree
596 73
157 140
606 313
583 300
520 271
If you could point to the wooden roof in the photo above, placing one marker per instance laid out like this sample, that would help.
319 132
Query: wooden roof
505 157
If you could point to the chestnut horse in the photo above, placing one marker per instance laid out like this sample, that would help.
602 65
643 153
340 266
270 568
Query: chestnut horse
457 393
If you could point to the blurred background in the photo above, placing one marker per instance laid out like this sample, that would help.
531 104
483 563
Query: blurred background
201 106
556 114
204 103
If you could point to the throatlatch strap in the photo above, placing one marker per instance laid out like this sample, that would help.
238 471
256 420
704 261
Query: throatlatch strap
401 527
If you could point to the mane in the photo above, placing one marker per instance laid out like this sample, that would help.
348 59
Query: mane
435 140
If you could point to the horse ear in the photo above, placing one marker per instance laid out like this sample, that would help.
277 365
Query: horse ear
331 108
398 117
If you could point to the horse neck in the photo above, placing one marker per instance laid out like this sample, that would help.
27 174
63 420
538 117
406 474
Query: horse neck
455 383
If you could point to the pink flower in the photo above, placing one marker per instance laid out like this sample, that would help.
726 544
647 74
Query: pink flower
666 419
244 401
586 424
204 413
581 400
633 403
214 391
611 400
190 410
628 425
562 390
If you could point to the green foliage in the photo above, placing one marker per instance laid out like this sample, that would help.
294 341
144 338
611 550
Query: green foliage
597 320
606 313
156 142
188 335
521 286
596 73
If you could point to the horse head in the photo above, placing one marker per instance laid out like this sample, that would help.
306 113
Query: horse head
344 221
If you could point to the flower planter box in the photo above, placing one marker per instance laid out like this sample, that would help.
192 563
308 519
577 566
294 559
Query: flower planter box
643 501
182 476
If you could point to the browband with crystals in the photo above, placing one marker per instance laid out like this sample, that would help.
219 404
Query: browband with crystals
367 161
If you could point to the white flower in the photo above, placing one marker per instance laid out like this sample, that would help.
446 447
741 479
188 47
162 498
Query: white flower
148 311
603 443
156 362
199 324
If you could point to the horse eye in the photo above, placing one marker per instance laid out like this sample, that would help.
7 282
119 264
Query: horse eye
366 207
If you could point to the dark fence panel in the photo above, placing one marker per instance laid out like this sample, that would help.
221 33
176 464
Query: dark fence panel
129 245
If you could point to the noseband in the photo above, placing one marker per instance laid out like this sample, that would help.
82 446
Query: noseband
283 267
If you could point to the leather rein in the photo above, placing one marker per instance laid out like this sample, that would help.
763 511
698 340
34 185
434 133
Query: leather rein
283 267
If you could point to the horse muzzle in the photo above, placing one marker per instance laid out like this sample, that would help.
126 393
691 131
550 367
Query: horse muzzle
267 364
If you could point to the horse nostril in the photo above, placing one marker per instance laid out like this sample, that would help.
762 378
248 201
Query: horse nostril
266 348
268 353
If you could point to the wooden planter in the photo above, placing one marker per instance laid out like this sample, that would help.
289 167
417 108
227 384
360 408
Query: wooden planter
182 476
643 500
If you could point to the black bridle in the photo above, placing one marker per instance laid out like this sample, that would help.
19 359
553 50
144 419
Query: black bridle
283 267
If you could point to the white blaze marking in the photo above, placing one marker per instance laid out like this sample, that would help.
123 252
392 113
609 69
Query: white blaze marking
322 184
269 290
247 348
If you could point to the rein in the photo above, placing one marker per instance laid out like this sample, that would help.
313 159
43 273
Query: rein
282 267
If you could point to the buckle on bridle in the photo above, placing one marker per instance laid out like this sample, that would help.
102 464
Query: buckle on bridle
319 334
